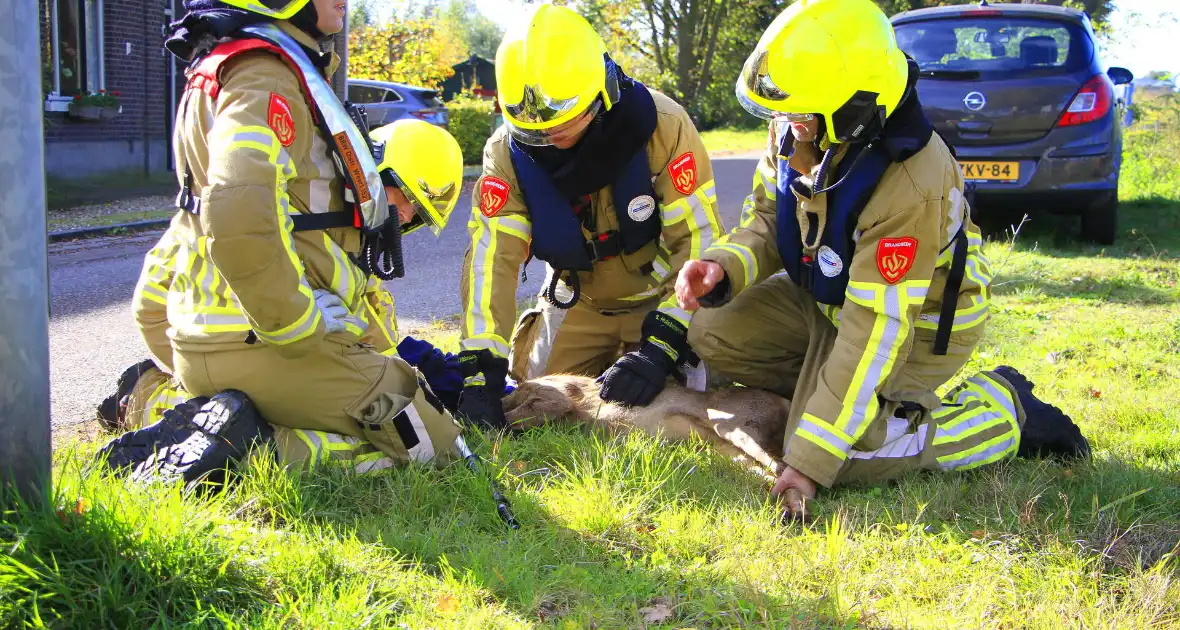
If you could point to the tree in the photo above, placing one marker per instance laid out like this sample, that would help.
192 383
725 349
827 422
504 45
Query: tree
360 15
481 35
405 51
678 36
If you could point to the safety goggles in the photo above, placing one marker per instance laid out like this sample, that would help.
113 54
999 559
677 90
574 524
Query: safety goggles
544 137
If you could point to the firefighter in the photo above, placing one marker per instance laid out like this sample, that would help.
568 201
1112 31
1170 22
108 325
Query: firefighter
856 284
284 231
605 181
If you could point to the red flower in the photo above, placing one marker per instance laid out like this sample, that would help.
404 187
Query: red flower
116 93
77 97
102 91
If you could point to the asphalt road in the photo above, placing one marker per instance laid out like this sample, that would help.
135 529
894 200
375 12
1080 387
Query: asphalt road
92 336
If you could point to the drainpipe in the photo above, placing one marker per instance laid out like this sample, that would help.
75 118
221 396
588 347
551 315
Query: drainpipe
147 149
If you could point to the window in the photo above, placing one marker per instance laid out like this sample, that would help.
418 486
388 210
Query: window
71 48
366 94
996 47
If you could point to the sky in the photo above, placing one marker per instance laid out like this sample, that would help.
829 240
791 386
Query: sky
1146 30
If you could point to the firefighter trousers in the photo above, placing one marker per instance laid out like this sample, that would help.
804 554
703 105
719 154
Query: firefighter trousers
579 340
774 336
337 401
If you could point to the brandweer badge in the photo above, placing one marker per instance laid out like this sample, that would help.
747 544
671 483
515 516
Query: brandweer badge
278 116
895 256
493 194
683 171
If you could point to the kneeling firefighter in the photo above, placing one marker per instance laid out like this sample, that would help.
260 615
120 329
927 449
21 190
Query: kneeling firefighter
605 181
885 293
269 276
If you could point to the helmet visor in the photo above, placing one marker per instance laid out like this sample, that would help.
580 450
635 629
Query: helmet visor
433 206
277 9
545 137
758 94
537 108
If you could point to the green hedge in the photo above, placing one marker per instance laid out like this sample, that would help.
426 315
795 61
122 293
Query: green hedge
472 121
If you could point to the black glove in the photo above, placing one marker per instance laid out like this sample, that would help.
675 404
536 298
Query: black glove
484 377
639 376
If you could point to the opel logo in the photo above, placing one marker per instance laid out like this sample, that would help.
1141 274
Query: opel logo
974 101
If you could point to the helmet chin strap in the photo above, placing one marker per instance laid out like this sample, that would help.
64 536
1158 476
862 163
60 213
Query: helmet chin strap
307 20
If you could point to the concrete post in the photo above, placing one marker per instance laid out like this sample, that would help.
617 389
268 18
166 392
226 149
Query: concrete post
24 281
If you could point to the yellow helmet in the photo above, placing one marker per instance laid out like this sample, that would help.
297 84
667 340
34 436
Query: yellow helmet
834 58
550 69
277 9
426 163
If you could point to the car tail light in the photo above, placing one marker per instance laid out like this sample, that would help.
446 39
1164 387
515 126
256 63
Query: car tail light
1091 102
423 114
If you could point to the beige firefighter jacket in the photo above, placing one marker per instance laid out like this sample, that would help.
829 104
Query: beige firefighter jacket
899 268
500 237
256 158
149 304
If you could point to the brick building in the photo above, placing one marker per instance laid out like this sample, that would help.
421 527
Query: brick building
116 46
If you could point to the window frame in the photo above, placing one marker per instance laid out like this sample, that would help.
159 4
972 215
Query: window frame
54 101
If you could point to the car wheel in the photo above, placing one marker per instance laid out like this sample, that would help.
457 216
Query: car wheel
1100 223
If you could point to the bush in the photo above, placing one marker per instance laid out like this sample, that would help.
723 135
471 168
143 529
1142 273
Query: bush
472 121
1150 148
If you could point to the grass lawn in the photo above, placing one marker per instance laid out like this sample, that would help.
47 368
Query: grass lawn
724 140
633 533
57 222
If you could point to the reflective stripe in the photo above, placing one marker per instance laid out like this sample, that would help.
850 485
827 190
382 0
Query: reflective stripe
371 462
644 295
703 223
423 451
990 451
897 446
492 342
679 314
839 441
303 327
479 308
965 318
769 183
967 424
549 323
516 226
314 445
749 207
320 197
860 405
744 254
345 284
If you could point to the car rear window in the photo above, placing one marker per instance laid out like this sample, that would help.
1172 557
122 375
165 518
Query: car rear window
365 94
994 47
429 97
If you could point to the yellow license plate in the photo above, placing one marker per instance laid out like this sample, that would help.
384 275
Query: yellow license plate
991 171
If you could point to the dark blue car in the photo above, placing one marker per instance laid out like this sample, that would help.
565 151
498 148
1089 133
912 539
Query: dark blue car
1022 94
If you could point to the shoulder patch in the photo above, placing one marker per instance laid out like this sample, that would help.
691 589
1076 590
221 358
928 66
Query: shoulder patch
493 194
895 256
683 171
278 117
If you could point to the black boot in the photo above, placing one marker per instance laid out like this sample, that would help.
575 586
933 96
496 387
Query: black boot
111 409
135 447
1047 430
227 426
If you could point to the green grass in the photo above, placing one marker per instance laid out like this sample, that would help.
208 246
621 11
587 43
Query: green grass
76 191
58 222
726 140
620 532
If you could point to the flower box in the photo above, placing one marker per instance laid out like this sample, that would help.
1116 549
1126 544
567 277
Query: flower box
102 105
